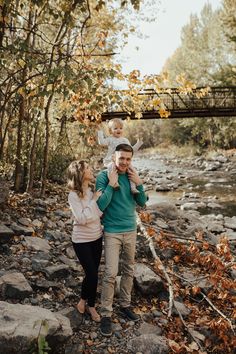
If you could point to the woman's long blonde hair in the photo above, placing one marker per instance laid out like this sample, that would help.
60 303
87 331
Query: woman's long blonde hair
75 174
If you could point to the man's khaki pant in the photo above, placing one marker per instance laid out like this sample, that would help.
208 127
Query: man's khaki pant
114 243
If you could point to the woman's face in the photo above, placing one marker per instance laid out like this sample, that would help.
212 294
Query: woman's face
88 173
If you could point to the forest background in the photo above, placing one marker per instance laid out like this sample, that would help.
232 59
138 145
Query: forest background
58 67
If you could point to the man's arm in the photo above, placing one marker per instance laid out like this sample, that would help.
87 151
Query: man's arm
105 184
141 197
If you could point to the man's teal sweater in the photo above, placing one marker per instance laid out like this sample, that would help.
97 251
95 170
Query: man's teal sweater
118 206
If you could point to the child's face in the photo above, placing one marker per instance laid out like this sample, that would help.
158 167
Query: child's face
117 130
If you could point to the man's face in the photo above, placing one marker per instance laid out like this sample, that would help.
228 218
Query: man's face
122 160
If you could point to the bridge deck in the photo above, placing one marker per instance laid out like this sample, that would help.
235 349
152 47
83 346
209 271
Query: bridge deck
219 102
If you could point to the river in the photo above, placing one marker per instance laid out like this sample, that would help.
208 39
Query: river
219 185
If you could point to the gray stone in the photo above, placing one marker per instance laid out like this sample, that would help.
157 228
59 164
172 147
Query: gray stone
147 328
14 286
20 326
36 244
56 271
74 317
24 221
46 284
230 223
148 282
148 344
180 307
21 230
37 223
71 263
5 233
39 264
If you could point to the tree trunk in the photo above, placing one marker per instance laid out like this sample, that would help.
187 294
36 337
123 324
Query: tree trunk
18 165
46 147
32 161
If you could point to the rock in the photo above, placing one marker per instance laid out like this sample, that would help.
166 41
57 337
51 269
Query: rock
46 284
56 271
163 188
230 223
146 280
166 209
71 263
148 344
20 326
14 286
37 223
74 317
5 233
184 310
24 221
215 227
36 244
161 224
39 264
21 230
188 206
147 328
214 206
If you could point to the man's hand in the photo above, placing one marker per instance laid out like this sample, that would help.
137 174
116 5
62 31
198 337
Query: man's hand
134 177
113 177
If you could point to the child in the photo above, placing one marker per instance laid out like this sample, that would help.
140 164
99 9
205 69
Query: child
87 231
115 127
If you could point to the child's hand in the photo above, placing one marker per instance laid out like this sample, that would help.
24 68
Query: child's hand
140 141
97 194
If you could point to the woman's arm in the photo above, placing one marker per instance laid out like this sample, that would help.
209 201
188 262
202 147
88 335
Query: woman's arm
82 215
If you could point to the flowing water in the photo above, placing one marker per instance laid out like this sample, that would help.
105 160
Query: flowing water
220 185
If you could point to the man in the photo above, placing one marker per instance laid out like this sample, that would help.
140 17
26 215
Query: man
120 230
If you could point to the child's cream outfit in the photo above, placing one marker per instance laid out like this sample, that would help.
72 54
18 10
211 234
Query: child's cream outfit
112 143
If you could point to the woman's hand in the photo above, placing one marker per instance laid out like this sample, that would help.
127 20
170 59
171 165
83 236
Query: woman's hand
97 194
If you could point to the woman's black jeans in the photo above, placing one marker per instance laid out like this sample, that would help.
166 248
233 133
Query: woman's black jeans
89 255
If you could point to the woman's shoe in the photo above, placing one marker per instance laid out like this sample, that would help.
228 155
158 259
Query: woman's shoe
94 315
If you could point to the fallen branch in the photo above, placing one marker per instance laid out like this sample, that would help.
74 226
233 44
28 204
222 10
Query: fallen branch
207 299
158 263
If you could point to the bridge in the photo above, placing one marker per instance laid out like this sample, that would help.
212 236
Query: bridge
219 102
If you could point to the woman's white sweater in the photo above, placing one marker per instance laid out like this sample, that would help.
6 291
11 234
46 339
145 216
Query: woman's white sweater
86 217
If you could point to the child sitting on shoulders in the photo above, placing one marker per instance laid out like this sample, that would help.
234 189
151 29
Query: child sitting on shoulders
115 127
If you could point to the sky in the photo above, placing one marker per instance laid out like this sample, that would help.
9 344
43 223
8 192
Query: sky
162 36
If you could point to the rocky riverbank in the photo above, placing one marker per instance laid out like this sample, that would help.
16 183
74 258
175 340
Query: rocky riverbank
40 277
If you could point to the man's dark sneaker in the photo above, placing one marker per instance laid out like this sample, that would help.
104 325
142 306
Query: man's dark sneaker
105 326
129 314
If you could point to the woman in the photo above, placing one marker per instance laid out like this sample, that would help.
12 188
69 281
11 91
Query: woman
87 231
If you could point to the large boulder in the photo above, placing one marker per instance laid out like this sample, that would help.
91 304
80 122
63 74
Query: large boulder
21 325
148 282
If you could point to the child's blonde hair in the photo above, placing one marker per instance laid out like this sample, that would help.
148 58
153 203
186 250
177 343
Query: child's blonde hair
114 121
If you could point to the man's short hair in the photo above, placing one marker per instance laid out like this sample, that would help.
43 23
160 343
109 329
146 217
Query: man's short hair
124 147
